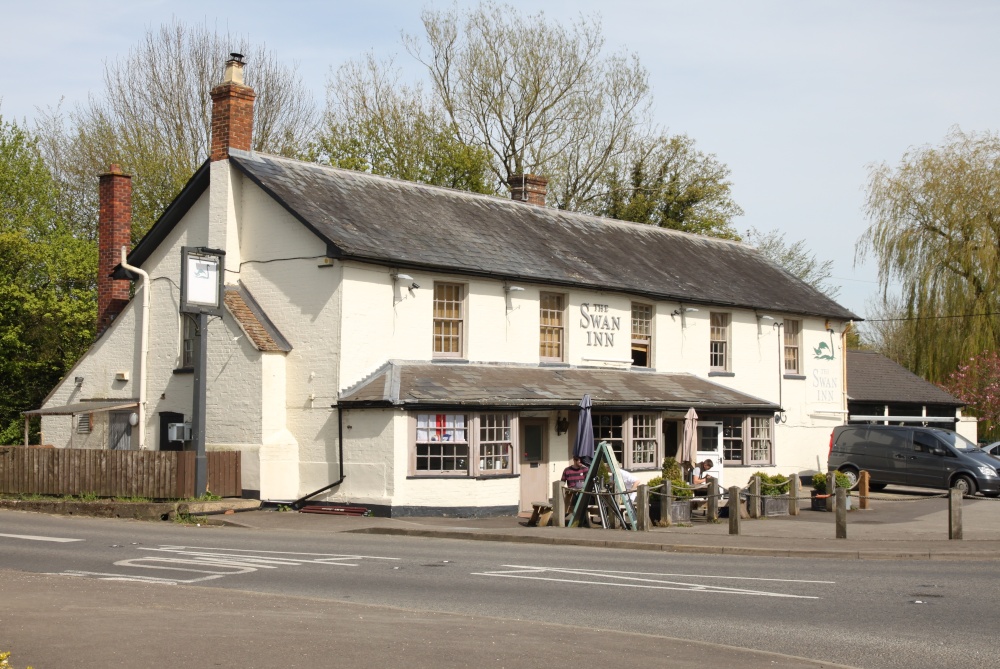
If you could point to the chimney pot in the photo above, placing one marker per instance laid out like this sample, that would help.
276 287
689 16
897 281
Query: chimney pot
232 111
529 188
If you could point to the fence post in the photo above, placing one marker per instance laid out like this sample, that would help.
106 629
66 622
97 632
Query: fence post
794 490
734 510
841 513
713 501
864 479
665 501
954 514
642 500
754 501
558 505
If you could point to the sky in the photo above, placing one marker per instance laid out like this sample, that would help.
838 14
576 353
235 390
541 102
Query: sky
798 98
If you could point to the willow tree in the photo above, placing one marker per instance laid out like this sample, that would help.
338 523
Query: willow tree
935 231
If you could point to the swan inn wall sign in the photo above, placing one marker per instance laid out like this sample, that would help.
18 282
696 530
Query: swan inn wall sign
600 326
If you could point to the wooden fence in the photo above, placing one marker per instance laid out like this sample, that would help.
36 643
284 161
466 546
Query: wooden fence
151 474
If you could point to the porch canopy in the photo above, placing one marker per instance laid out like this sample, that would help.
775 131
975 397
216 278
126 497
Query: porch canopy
92 406
420 384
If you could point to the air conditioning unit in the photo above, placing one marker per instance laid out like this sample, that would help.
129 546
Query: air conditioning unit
179 431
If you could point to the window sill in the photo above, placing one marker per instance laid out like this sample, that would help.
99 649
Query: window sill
184 370
552 363
796 377
456 361
717 373
643 369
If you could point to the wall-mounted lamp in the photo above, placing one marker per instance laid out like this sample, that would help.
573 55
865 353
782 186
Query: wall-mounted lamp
512 289
562 424
399 276
681 312
78 380
764 317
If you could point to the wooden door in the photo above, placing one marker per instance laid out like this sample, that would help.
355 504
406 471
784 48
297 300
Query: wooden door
535 484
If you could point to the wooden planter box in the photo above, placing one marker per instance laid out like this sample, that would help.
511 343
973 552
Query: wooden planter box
774 506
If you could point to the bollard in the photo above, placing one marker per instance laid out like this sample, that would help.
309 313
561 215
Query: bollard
642 513
831 489
734 510
864 479
754 501
955 514
794 490
841 513
665 501
558 505
712 514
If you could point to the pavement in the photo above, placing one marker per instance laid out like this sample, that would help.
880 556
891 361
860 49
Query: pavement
902 524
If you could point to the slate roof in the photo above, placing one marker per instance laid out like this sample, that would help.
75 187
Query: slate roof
408 225
407 384
264 335
874 378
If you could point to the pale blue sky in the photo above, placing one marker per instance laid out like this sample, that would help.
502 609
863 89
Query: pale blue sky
796 97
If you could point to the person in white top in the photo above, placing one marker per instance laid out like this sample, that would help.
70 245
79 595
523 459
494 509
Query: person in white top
702 473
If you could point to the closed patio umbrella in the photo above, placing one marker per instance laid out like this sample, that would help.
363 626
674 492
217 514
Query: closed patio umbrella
583 447
690 436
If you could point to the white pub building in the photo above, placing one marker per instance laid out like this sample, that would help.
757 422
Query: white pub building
419 350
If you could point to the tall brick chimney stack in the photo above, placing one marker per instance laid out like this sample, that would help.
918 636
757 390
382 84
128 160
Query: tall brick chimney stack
528 188
114 230
232 111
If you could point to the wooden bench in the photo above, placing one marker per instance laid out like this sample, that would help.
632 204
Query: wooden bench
541 514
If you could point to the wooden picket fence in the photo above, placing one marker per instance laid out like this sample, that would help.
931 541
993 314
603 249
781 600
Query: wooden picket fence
151 474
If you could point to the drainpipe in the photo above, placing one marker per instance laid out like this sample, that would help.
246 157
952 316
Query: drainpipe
297 504
143 347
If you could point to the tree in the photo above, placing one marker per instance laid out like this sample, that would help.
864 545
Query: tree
538 96
671 184
795 259
935 229
977 383
47 282
375 124
154 119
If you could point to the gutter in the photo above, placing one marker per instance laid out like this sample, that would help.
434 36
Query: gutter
143 346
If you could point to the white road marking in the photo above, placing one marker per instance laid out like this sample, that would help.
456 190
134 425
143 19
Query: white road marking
218 562
31 537
643 580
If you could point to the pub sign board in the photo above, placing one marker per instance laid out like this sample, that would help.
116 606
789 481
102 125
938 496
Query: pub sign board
202 271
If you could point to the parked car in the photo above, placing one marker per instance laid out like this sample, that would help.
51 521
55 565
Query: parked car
992 449
925 457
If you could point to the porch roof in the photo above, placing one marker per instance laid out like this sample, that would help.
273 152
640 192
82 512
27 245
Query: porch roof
91 406
416 384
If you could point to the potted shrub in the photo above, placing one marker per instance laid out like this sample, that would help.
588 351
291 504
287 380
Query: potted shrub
680 505
774 494
820 488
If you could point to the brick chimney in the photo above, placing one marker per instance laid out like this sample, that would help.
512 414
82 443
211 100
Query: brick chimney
232 111
528 188
114 230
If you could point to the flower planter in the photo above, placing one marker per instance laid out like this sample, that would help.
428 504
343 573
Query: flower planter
680 511
774 506
819 503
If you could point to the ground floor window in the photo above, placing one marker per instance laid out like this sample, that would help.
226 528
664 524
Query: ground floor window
747 440
462 444
633 437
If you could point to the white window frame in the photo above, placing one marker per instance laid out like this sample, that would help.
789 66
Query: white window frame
720 346
792 346
642 338
753 431
441 338
544 327
476 427
632 431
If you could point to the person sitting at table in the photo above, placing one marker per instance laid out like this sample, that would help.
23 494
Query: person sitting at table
574 475
701 474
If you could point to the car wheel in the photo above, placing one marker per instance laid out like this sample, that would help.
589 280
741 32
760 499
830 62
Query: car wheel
852 477
875 487
965 484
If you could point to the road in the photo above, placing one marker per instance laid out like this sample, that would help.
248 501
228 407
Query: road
877 614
